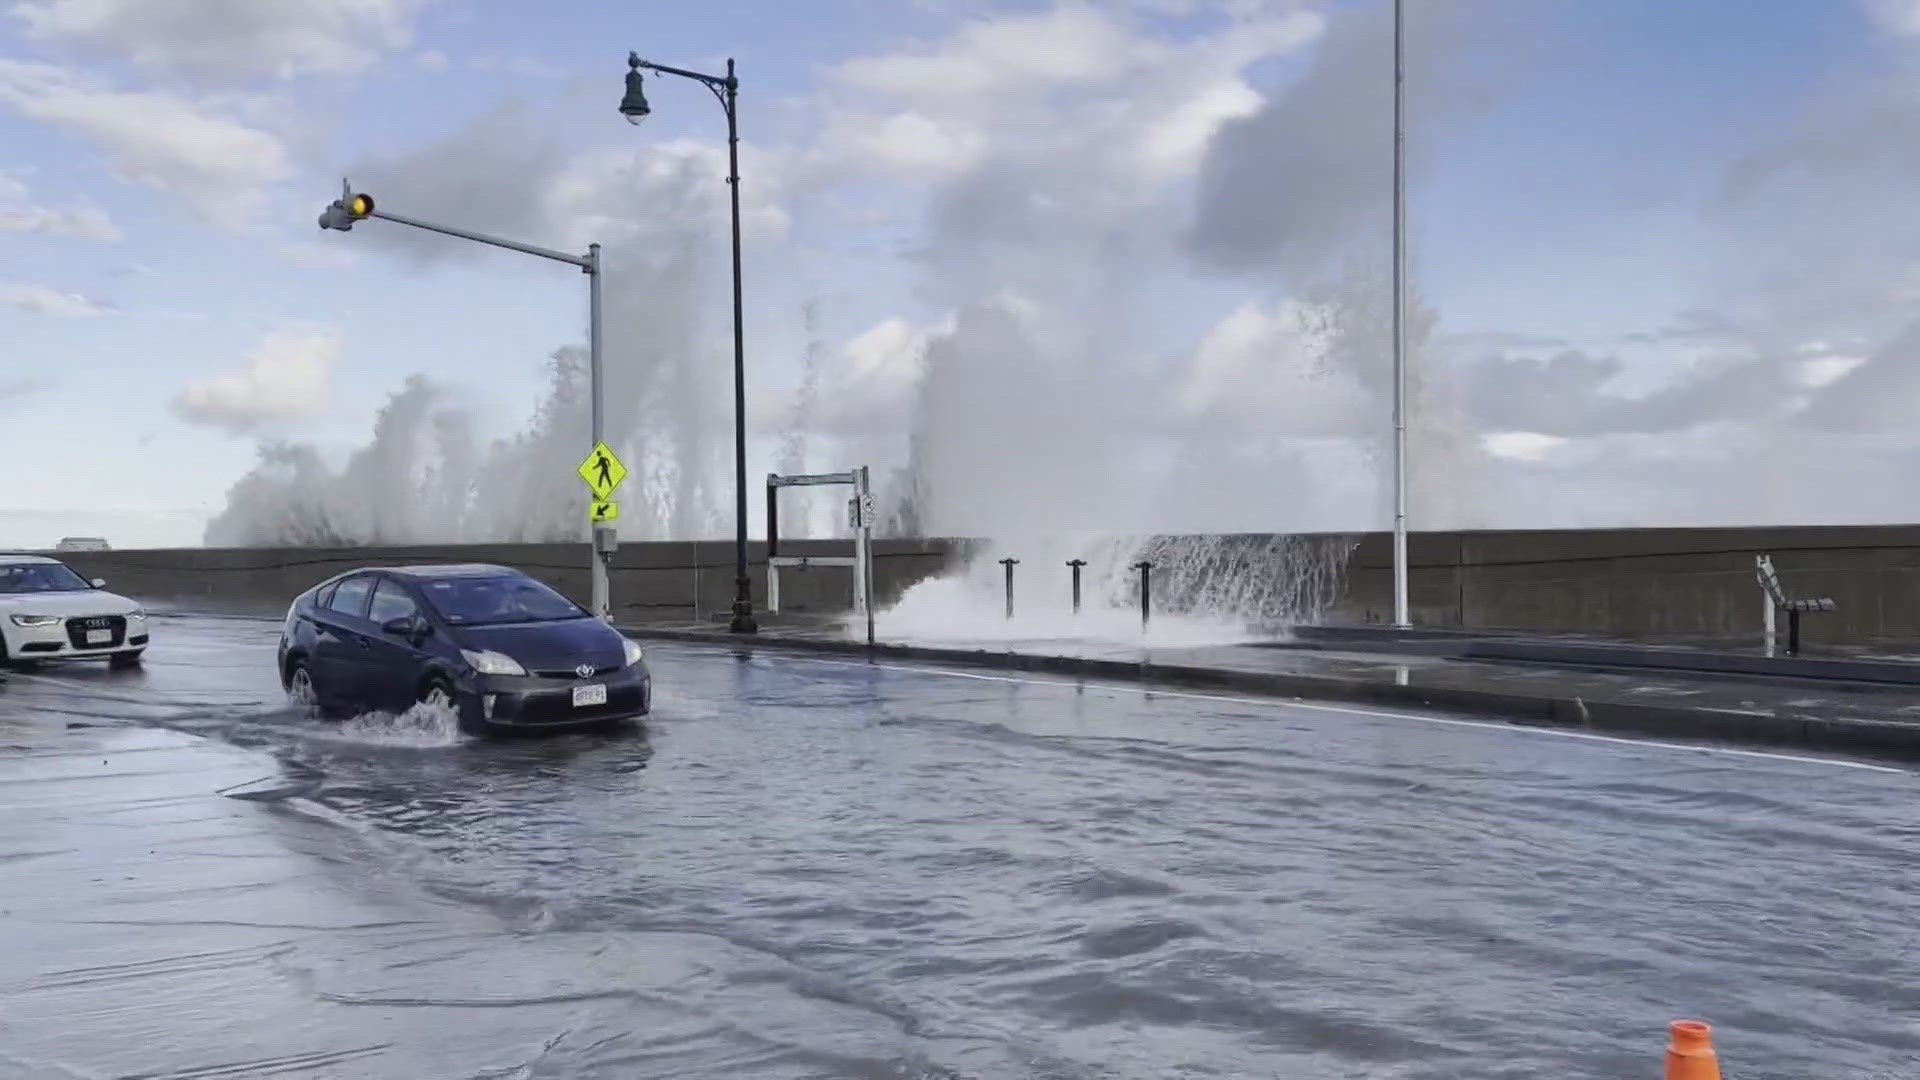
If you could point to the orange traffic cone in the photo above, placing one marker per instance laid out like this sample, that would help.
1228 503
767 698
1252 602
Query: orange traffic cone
1690 1055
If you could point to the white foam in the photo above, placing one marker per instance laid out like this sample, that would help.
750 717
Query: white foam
1205 591
423 727
955 609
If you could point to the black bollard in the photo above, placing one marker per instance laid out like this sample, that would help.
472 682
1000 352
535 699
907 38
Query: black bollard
1146 591
1009 563
1076 564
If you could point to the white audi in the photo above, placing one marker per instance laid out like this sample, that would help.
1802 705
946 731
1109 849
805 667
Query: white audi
48 612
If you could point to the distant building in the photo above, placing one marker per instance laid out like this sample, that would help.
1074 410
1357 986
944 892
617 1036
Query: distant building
81 543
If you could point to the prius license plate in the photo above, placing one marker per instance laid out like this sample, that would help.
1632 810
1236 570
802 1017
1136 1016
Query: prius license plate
99 637
589 695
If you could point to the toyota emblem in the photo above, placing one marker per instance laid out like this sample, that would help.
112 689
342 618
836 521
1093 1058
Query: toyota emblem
583 670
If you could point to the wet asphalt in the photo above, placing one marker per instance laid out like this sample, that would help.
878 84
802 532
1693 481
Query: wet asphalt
809 867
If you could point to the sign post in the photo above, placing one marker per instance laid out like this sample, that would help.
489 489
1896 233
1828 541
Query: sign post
602 471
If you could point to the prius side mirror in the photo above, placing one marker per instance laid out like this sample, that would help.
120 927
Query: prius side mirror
412 627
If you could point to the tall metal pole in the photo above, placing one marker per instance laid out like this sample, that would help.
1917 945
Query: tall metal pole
743 622
1401 616
596 553
634 107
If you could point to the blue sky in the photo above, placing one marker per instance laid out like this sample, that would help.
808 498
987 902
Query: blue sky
167 302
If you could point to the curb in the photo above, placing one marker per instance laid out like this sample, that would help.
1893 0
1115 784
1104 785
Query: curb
1851 734
1516 648
1883 673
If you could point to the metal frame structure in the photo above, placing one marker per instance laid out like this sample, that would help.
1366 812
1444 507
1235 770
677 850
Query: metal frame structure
860 513
1777 599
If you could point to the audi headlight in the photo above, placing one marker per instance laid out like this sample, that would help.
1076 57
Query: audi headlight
634 655
36 620
139 615
488 662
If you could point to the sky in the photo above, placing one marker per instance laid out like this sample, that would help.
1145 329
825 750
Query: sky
1044 264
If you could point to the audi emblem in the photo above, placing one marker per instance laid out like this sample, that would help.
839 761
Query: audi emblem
583 670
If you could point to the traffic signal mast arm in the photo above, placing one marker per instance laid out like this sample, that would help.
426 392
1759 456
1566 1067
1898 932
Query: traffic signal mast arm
582 262
354 206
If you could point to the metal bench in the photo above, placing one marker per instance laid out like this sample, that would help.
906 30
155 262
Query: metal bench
1778 600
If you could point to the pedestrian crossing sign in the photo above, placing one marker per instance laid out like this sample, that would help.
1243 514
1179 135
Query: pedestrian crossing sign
602 471
601 511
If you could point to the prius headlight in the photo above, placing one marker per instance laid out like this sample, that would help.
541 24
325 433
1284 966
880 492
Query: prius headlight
36 620
634 653
488 662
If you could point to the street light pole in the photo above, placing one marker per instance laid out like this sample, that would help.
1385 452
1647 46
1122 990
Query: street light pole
1401 615
634 107
354 207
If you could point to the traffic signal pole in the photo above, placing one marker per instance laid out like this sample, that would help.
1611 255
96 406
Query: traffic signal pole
353 207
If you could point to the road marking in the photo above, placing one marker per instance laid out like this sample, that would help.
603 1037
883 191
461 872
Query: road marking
1444 721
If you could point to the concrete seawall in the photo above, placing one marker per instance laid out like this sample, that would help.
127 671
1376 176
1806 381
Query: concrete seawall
1649 584
689 579
1636 583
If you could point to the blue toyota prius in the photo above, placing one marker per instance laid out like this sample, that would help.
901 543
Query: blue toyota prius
500 649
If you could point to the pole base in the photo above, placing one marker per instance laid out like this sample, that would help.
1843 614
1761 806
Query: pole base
743 622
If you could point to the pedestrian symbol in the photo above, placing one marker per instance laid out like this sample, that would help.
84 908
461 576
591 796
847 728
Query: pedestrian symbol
602 511
602 471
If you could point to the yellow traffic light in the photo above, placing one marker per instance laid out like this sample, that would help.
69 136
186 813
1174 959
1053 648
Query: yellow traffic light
360 206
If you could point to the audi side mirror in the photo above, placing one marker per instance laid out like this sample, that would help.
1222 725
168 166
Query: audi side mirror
98 583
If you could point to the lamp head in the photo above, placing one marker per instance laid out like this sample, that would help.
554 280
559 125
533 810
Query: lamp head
634 105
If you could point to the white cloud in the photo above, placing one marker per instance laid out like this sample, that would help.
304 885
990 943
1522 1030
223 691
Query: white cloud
909 142
1076 70
1265 365
431 60
315 255
988 57
875 375
41 300
1177 138
287 375
1528 446
616 196
1819 371
1894 16
866 389
228 39
525 67
196 150
893 352
18 214
1038 144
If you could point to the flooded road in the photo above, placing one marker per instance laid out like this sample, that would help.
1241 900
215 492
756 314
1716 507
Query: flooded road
802 867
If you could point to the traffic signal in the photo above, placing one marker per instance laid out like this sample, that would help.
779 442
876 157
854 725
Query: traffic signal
350 207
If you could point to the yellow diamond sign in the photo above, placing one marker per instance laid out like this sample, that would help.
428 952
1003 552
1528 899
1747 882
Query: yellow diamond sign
602 471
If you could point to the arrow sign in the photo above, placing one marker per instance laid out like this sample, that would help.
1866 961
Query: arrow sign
601 511
602 471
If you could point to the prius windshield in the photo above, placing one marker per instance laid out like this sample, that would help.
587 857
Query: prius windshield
492 601
40 578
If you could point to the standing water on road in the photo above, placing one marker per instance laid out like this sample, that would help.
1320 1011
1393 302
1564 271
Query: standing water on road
813 868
